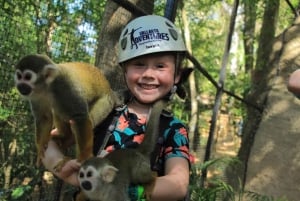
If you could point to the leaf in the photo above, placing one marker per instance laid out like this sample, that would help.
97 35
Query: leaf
19 191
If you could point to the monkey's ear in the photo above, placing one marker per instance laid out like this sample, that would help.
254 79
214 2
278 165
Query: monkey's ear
49 72
108 173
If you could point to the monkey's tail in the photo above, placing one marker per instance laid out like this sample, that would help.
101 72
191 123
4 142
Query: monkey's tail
152 128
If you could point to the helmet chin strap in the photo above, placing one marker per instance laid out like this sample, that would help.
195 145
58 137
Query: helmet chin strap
172 93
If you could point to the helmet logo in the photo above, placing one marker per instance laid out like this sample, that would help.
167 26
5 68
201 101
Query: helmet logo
144 36
132 38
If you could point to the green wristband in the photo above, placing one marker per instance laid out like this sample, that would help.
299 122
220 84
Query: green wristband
140 193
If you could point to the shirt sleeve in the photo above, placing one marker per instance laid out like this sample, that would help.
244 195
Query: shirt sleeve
176 140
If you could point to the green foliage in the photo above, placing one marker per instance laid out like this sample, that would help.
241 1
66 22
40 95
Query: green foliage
53 27
21 192
257 197
159 7
67 31
211 193
4 114
217 188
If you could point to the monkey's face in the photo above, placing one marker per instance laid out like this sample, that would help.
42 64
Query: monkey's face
94 175
88 177
33 74
25 81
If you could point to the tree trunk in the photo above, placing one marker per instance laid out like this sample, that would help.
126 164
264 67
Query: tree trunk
114 20
193 91
258 93
273 164
249 33
267 33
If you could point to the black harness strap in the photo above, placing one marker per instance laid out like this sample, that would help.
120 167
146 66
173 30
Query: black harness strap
163 124
108 125
108 133
110 129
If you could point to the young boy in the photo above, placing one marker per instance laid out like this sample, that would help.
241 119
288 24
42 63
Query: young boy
151 52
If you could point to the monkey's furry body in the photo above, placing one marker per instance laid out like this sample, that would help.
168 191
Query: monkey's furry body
108 178
59 93
109 183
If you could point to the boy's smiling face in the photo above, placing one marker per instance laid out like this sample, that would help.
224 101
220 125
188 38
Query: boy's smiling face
151 77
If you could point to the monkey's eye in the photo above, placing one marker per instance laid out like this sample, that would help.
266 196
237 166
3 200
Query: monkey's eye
27 76
30 76
81 174
18 75
89 174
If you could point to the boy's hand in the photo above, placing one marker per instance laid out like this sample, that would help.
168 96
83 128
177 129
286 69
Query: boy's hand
70 167
68 171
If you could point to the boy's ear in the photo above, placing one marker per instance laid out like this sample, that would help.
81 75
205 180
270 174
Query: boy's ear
177 78
180 79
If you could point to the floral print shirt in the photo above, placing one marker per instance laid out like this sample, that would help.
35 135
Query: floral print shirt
129 132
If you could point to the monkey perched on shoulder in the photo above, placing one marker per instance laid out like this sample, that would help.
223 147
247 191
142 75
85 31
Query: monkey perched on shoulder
108 178
61 92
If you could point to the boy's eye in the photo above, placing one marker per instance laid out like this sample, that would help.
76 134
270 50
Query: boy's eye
160 65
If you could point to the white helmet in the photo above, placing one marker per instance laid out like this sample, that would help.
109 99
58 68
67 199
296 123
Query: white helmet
149 34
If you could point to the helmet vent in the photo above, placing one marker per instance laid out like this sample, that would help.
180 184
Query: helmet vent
168 24
123 43
173 34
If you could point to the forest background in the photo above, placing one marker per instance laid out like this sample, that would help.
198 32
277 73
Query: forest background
227 92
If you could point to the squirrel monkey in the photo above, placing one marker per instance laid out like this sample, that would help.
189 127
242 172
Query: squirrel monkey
61 92
108 178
